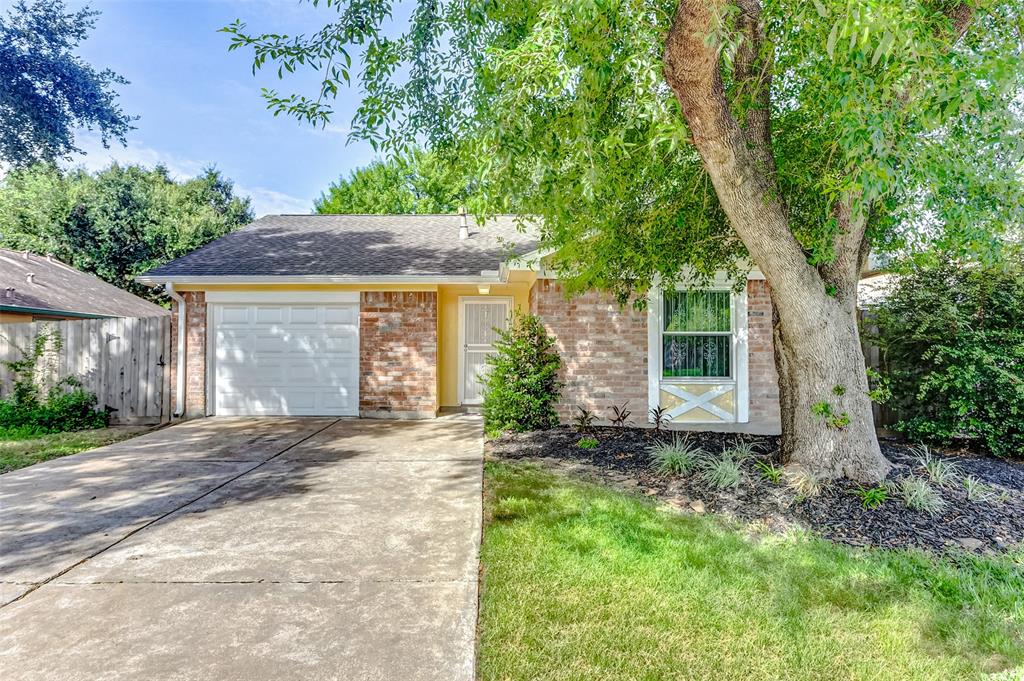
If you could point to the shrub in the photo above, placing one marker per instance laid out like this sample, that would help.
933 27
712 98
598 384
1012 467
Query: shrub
678 457
871 497
918 495
587 443
583 421
940 471
659 416
621 414
742 450
804 483
979 491
952 339
67 406
769 471
722 471
521 387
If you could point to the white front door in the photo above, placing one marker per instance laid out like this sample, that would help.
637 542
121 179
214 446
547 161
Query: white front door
285 359
481 320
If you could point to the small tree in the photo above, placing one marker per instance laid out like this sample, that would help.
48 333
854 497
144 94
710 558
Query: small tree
953 344
522 384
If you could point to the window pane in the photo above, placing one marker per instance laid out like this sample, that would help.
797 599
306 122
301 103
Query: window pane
697 311
696 356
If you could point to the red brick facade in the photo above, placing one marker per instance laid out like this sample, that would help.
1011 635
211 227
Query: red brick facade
604 352
603 349
398 354
195 353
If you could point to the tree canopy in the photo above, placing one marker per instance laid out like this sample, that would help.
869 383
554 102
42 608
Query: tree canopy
563 107
417 183
46 92
119 222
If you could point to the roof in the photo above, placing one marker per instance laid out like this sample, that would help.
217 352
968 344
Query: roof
45 284
364 246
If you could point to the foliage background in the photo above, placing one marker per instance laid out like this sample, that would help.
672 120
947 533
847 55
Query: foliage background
416 184
118 222
952 341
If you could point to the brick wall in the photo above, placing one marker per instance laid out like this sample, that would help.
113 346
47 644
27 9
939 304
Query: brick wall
398 354
603 349
763 378
604 353
195 353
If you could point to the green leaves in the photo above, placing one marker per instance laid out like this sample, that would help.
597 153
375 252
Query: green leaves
560 109
118 222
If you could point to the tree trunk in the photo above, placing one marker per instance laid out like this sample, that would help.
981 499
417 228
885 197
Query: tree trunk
828 427
827 424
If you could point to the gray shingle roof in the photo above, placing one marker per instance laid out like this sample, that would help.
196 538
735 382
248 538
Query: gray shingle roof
60 287
356 246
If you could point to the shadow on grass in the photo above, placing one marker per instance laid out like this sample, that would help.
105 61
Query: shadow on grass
732 590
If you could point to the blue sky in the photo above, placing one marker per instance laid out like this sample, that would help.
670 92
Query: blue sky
200 105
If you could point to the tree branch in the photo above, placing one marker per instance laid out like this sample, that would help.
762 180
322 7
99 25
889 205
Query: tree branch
753 74
745 187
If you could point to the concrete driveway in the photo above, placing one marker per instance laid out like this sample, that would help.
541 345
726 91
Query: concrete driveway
248 549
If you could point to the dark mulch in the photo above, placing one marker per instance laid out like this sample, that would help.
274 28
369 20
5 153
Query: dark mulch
622 458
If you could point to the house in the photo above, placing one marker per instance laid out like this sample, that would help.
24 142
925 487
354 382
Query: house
42 288
393 316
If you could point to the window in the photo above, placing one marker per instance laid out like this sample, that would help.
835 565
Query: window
696 337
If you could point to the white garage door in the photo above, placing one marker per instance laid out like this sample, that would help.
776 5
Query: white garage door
284 359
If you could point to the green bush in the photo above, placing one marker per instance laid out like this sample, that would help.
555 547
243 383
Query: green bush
952 341
67 406
522 384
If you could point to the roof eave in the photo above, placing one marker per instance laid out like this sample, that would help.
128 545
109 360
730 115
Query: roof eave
52 312
486 277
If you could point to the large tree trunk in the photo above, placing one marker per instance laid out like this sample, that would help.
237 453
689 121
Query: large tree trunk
827 423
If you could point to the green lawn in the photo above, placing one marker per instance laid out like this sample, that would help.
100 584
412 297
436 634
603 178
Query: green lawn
20 452
581 582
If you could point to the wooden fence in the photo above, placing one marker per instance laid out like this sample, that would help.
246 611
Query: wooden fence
125 362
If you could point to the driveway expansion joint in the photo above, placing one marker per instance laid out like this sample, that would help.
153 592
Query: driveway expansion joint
51 578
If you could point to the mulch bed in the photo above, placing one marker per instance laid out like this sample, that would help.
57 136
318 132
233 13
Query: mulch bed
622 459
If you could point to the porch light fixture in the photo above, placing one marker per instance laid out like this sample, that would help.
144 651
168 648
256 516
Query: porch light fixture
483 289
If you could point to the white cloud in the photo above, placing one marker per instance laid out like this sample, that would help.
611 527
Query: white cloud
97 157
264 201
270 202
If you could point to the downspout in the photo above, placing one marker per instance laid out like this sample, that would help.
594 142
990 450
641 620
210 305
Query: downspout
179 393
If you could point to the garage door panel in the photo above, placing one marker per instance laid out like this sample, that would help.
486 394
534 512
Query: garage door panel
286 359
234 314
340 315
269 315
308 316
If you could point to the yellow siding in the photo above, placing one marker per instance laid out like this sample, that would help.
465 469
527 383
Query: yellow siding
15 318
448 327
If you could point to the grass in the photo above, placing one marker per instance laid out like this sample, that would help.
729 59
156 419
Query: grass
18 450
581 582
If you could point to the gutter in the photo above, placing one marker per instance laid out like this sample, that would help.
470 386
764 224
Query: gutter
179 393
54 313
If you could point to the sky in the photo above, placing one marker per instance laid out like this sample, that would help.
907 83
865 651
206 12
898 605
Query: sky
200 105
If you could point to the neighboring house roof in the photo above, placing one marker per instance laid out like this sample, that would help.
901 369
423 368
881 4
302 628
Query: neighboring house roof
364 246
44 285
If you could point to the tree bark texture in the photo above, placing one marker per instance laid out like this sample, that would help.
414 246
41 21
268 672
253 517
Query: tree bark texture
827 424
